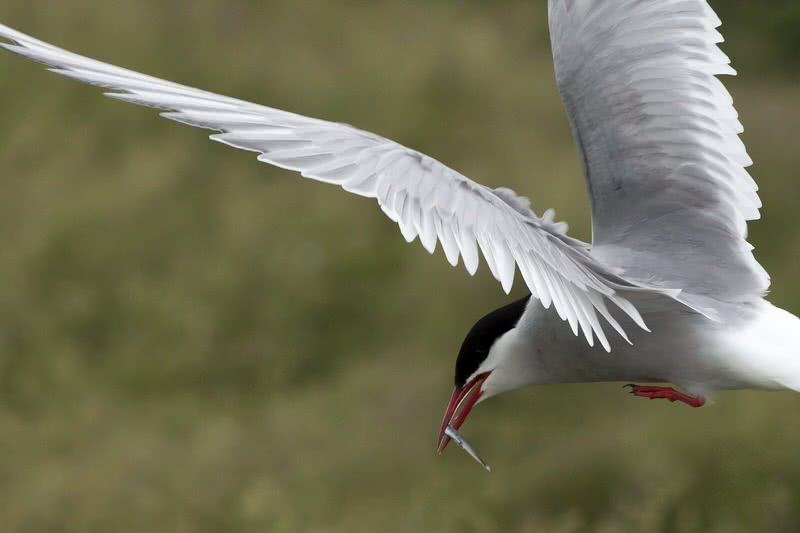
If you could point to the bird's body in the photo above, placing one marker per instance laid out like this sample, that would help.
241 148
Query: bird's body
759 348
668 269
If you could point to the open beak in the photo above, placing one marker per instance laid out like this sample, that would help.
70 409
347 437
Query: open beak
461 403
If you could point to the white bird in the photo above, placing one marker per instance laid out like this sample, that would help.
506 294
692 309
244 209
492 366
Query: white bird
657 134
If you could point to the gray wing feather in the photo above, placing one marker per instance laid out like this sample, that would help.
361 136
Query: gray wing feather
657 134
426 198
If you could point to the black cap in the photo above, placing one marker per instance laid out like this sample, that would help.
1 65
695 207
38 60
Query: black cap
483 335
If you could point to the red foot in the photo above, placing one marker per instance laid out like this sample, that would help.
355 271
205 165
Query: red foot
666 393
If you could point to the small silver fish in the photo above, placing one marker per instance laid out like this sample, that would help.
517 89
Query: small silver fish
459 439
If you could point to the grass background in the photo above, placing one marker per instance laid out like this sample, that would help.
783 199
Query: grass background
191 341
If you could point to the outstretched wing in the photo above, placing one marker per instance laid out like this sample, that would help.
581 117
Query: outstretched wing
426 198
658 137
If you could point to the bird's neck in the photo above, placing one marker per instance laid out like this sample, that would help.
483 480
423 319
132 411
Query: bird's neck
536 351
542 349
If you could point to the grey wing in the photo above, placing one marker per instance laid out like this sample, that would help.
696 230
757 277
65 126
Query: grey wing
426 198
658 137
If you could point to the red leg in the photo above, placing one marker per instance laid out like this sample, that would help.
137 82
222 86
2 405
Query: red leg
666 393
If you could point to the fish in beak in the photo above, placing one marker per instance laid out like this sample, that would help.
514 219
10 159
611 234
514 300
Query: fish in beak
461 403
469 448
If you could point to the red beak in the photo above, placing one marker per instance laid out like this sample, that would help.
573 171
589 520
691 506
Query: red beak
464 398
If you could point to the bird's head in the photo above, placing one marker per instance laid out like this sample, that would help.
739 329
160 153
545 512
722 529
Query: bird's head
487 364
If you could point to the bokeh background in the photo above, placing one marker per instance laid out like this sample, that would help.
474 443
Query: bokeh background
192 341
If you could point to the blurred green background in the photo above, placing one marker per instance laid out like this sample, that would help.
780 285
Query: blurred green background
192 341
